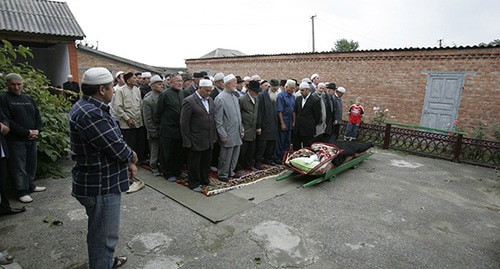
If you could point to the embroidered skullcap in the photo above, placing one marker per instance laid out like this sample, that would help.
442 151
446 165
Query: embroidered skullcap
97 76
146 74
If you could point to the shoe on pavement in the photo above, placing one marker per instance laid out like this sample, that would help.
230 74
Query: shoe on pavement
213 168
155 172
6 259
172 179
12 210
39 189
197 189
136 186
183 175
26 199
258 166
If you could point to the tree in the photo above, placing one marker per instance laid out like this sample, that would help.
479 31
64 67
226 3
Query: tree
344 45
53 141
495 42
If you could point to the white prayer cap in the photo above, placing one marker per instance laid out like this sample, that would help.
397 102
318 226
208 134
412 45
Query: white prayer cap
306 80
97 76
70 76
155 79
291 83
218 76
247 78
205 83
119 73
314 76
146 74
255 77
341 89
228 78
304 85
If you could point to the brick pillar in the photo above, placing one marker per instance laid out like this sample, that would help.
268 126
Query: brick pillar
73 61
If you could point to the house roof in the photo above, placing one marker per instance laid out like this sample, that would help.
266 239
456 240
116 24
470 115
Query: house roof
217 53
39 17
140 66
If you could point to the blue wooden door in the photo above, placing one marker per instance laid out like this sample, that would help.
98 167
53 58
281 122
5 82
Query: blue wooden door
442 100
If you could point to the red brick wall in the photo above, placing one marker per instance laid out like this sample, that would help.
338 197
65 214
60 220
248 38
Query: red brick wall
87 60
388 79
73 61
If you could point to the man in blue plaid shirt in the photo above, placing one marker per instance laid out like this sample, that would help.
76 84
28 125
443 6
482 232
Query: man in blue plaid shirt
104 163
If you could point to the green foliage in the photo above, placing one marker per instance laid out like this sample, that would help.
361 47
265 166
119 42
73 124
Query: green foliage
479 131
53 141
496 132
344 45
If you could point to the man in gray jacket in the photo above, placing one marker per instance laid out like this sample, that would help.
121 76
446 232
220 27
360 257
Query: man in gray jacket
229 128
152 123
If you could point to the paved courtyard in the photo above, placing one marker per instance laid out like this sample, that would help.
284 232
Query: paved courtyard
393 211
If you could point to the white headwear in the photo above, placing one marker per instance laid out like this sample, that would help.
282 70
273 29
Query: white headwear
119 73
247 78
341 89
97 76
218 76
255 77
205 83
306 80
70 76
291 83
146 74
155 79
228 78
304 85
313 76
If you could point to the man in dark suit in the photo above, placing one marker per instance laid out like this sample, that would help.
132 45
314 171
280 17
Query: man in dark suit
198 133
267 121
249 105
308 115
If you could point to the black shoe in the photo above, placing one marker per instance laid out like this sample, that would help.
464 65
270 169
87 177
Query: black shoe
278 162
12 211
223 179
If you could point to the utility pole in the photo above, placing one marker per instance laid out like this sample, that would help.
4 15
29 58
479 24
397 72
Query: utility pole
440 43
312 20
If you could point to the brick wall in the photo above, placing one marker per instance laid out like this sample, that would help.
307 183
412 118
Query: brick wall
389 79
87 60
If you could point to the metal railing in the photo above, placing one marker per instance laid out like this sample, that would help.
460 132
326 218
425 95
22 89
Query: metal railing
444 144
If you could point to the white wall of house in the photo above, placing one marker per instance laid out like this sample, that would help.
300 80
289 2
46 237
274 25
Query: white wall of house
54 61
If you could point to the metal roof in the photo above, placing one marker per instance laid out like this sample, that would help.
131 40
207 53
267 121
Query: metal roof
217 53
39 17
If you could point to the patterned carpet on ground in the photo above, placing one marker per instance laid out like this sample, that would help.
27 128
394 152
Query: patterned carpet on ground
232 198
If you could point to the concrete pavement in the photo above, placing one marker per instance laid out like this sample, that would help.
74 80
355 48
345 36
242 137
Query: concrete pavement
393 211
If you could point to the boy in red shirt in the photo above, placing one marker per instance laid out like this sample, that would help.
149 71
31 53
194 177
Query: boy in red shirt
355 112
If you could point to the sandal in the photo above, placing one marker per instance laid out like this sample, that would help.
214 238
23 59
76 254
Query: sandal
119 261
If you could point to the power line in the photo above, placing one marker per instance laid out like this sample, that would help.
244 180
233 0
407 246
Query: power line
312 20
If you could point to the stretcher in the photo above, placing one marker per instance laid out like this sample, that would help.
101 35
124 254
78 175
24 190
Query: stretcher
330 174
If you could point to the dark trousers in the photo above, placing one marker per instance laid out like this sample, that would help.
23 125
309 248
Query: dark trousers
283 143
247 152
171 156
265 150
198 166
136 139
215 155
22 165
4 204
302 141
335 132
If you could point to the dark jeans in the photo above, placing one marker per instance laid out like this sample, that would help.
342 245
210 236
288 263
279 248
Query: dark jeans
302 141
198 166
22 163
103 227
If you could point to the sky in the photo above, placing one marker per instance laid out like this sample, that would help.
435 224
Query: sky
166 33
